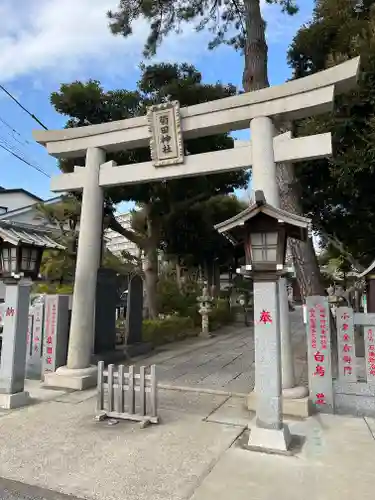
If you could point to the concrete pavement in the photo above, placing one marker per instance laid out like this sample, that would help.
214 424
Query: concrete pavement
57 445
196 453
333 461
14 490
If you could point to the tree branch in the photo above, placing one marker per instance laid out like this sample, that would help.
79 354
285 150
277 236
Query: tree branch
130 235
336 243
129 257
240 16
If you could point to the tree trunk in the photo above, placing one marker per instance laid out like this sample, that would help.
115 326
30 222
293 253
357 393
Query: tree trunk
151 265
255 78
151 280
304 257
256 51
216 286
149 246
208 274
178 275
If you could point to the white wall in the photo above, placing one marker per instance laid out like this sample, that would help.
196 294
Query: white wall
29 216
14 200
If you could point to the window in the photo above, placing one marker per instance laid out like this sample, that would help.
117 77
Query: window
263 247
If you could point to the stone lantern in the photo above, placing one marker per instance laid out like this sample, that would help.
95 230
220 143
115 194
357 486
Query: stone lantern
21 249
262 231
205 307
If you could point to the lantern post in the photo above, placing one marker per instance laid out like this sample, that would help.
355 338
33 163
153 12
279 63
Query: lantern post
262 230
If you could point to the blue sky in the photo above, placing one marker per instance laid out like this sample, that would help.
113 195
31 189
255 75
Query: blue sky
48 42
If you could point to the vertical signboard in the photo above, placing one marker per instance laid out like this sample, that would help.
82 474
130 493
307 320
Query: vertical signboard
345 344
55 342
166 142
369 334
319 353
13 350
35 349
29 334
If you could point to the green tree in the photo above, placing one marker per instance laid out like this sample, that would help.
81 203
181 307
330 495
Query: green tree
192 239
59 265
89 103
240 25
337 192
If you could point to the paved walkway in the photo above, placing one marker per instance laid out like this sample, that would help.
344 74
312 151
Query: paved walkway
196 453
333 461
224 363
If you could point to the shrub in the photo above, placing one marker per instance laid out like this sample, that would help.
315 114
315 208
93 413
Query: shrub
52 288
168 329
172 300
221 314
193 313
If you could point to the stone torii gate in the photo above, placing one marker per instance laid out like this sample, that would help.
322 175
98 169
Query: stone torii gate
164 129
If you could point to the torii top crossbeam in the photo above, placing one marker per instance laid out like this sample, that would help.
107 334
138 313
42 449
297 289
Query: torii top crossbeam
301 98
295 99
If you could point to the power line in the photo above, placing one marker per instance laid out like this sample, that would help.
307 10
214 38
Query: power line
18 153
23 107
14 131
13 147
25 161
17 150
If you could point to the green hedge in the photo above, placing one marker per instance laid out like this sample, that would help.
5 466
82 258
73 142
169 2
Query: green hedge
221 314
52 288
172 301
168 329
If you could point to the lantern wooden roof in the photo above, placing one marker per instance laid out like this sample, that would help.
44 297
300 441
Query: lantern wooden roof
27 234
233 229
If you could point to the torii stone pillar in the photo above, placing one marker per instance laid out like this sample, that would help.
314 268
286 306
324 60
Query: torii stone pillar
265 179
78 374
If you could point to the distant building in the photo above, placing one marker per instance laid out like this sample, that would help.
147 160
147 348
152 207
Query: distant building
18 205
116 243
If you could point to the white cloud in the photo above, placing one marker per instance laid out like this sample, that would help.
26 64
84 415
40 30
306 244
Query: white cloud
64 39
61 38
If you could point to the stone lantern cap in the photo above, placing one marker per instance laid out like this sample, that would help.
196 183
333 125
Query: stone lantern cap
234 229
